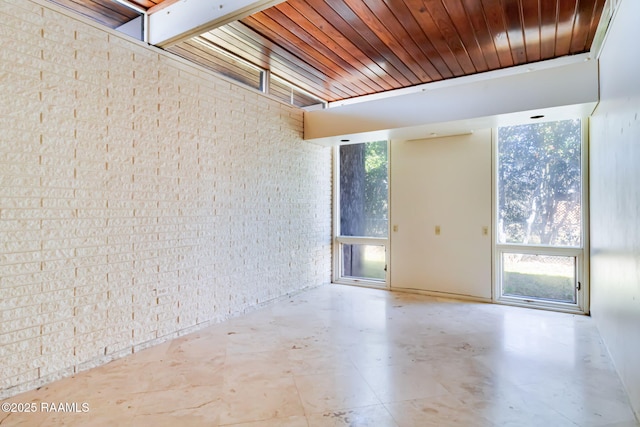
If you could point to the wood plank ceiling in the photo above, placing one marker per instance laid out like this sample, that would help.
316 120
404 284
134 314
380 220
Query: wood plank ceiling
339 49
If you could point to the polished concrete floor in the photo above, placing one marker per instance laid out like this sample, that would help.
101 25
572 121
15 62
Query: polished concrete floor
346 356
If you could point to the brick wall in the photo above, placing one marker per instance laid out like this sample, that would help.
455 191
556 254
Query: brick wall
141 197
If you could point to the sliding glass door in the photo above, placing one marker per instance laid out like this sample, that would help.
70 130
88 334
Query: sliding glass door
540 214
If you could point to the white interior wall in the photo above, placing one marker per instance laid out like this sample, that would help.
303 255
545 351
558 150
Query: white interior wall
445 183
615 198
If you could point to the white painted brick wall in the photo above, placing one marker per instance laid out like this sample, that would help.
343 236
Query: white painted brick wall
141 197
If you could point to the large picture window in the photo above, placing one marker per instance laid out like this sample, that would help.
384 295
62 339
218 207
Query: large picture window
362 220
540 213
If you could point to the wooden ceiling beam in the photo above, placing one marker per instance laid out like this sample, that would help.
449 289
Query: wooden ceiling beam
184 19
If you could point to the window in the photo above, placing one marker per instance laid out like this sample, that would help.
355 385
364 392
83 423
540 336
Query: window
362 220
543 277
540 231
292 94
204 52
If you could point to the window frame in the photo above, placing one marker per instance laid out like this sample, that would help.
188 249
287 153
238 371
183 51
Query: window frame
581 253
339 240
